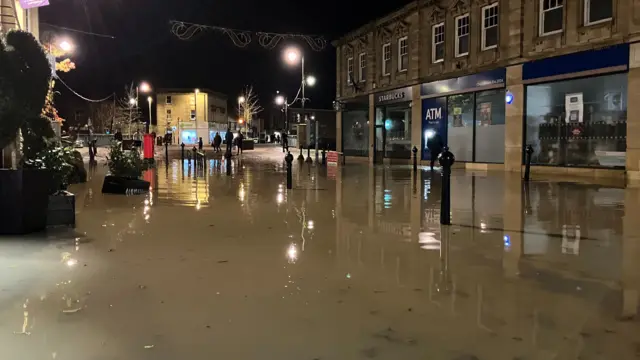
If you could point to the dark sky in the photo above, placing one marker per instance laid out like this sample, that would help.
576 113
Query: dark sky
145 49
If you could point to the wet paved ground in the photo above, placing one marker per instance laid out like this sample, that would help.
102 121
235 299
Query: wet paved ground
351 264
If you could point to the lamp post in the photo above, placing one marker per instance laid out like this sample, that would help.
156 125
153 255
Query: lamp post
149 100
144 88
292 55
195 111
241 100
281 100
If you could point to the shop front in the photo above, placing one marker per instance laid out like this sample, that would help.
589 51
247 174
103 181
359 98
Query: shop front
392 135
467 114
576 108
355 127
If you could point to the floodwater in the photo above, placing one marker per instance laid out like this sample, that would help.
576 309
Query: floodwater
350 264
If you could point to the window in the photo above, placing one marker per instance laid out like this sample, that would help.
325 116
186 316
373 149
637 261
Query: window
403 54
193 114
386 59
349 70
550 17
363 67
168 99
490 27
597 11
462 35
437 52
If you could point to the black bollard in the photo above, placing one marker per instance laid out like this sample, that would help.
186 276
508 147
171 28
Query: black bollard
289 160
300 157
527 166
446 160
309 154
182 152
415 158
195 154
324 157
166 153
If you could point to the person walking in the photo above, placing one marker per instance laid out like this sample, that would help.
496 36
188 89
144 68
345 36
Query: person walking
240 140
435 145
285 141
217 141
228 139
200 145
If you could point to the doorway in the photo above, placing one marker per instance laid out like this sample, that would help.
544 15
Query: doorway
379 144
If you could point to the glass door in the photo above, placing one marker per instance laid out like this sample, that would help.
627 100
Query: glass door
378 145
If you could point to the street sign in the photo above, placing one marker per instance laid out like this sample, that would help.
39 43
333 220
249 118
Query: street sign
332 158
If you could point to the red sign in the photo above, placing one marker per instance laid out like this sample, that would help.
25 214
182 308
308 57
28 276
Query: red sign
332 158
576 132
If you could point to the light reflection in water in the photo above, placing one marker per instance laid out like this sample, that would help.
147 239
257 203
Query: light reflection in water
292 253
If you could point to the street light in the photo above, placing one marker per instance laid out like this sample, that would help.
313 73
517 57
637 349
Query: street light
311 80
292 55
66 46
279 100
241 99
145 87
132 101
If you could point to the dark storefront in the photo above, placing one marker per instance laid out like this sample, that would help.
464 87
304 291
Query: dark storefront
468 113
355 127
577 120
393 124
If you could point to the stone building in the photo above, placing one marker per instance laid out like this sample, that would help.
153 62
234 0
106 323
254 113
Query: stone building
489 77
191 114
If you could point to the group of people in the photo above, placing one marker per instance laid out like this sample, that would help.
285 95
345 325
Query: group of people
229 140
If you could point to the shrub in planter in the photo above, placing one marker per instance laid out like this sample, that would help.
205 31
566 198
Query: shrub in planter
125 170
57 161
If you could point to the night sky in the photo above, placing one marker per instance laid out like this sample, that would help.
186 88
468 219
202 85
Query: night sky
145 49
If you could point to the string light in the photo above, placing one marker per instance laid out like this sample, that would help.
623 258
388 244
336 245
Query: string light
242 38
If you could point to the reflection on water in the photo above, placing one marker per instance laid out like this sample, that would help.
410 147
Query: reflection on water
351 265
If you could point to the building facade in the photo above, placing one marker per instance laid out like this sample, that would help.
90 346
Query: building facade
490 77
191 114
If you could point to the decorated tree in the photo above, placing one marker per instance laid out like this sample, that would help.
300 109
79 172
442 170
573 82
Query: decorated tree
248 107
65 65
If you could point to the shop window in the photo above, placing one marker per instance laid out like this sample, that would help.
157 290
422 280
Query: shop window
355 133
349 70
460 111
490 22
551 14
403 54
597 11
437 46
386 59
490 121
578 122
396 120
362 61
462 35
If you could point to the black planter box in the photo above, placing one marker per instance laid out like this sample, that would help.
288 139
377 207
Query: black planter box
124 185
62 210
248 145
24 198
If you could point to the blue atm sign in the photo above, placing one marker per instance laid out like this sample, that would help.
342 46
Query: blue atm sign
434 122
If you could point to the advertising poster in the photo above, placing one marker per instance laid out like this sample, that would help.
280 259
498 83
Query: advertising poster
485 114
574 107
457 117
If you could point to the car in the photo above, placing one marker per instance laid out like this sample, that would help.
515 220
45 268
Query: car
78 143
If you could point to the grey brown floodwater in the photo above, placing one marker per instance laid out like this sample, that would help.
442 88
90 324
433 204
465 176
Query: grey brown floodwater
351 264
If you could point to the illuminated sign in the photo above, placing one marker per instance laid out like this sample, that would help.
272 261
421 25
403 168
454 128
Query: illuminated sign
28 4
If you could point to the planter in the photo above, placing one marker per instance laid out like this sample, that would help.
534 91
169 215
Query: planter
248 145
62 209
24 198
124 185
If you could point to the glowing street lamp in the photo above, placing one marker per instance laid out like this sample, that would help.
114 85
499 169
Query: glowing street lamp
311 80
149 100
144 87
292 56
279 100
241 99
66 46
132 101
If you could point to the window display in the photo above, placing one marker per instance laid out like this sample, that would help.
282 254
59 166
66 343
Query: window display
490 115
355 133
578 122
460 126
